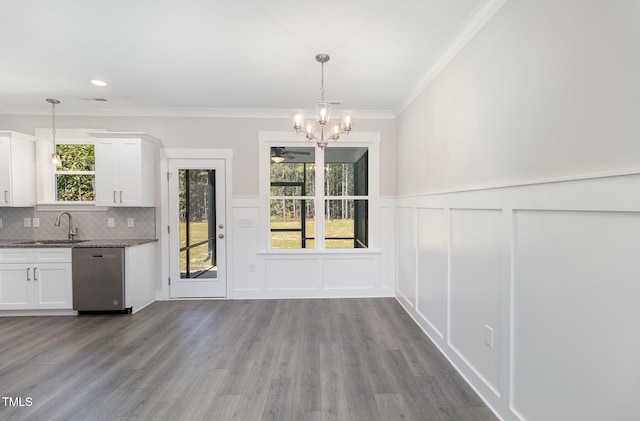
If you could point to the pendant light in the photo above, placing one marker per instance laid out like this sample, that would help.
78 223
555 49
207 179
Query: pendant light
55 158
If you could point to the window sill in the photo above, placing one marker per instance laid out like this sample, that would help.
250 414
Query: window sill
318 252
70 206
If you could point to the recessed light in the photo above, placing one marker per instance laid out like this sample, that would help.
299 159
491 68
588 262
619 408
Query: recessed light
99 82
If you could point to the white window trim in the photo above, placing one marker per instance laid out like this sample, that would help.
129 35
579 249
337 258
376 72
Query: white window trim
268 139
46 173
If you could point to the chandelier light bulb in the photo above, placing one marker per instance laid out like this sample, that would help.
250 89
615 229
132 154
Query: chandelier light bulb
310 130
298 120
335 131
323 111
347 121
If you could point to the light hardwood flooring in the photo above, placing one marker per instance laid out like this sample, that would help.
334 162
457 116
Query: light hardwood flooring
330 359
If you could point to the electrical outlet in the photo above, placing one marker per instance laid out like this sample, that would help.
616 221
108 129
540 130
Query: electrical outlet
252 267
35 222
111 222
27 222
130 222
488 336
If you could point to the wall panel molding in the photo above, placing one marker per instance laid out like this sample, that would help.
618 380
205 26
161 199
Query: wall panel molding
551 268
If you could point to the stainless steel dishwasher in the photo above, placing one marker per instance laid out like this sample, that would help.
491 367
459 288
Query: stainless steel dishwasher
98 279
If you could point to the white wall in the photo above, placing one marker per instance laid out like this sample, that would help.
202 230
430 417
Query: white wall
238 134
547 90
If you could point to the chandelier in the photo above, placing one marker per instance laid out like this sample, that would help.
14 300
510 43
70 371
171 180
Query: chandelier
55 158
328 130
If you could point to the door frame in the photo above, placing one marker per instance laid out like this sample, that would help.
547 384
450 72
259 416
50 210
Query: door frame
164 217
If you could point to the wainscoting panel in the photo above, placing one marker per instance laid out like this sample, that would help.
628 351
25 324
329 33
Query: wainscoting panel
245 264
433 255
585 269
293 274
532 292
474 294
407 254
350 273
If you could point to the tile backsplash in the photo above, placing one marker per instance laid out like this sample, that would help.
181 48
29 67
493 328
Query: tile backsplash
91 225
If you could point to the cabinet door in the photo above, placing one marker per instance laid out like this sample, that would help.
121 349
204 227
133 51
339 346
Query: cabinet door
52 286
130 172
15 286
5 172
106 151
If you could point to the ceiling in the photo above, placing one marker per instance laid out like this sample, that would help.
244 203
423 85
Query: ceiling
193 56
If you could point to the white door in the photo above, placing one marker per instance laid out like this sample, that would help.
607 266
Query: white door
197 228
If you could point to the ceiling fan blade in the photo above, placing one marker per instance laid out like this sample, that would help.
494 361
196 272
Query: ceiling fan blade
299 152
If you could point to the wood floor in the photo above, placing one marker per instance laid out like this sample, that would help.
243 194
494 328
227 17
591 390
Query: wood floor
332 359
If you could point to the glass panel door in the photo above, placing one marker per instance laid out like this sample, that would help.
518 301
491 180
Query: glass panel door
197 223
197 231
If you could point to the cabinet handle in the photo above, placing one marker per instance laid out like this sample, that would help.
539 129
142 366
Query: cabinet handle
120 196
114 197
6 196
35 274
28 274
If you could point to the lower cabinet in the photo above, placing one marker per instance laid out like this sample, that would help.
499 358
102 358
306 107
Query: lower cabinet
35 279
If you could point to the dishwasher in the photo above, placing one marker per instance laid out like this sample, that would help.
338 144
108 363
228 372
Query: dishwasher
98 279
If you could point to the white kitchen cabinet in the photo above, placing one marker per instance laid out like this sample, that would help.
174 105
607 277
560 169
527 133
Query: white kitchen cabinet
17 169
126 169
35 279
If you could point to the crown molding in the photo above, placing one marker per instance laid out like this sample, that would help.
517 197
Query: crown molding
471 26
275 113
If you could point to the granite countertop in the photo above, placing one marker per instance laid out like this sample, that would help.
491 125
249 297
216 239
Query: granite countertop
76 243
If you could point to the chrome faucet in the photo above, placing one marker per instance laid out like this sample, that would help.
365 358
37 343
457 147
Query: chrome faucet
72 231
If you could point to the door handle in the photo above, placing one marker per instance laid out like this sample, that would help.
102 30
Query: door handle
114 197
120 196
35 274
6 196
28 274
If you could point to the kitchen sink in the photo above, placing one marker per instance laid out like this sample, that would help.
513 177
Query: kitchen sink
51 242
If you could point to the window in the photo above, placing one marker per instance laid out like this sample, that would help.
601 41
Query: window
75 176
292 192
346 214
305 182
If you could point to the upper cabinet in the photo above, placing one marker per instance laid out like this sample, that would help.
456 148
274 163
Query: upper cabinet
17 169
126 169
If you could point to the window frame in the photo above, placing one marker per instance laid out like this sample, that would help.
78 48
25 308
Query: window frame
57 172
370 140
46 173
